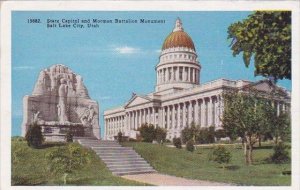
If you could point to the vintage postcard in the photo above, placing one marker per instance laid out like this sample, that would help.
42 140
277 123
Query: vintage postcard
154 93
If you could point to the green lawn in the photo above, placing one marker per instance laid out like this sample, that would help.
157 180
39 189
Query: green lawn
196 165
30 168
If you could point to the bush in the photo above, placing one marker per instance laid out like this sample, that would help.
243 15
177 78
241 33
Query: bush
280 154
64 160
206 135
69 136
190 146
221 155
189 133
147 132
34 136
160 135
220 133
177 142
120 137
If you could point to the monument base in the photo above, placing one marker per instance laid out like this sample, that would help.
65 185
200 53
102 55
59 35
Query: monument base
58 133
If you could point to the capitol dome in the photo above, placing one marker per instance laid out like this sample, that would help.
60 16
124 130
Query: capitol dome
178 38
178 66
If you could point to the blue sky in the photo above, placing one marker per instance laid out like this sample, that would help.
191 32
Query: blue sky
117 59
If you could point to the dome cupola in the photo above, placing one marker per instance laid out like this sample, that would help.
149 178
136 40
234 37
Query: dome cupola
178 65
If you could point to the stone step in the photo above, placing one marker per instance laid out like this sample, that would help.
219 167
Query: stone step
130 169
124 165
112 148
133 172
119 157
120 162
118 154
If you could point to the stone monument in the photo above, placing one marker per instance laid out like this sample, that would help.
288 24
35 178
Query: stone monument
60 102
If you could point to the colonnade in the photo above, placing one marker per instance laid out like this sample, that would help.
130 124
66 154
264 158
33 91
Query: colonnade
177 74
174 116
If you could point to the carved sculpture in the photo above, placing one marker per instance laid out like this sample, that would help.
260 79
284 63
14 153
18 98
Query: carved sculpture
60 99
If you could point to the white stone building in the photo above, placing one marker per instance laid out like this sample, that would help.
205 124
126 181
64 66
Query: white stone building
179 99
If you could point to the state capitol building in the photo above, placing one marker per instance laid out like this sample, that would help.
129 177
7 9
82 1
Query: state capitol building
179 99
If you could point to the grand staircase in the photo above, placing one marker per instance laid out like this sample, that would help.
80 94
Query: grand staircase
119 160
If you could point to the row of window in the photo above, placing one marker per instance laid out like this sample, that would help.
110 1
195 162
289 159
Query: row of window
180 56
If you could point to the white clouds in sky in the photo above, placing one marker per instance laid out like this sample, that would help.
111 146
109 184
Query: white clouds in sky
19 68
127 50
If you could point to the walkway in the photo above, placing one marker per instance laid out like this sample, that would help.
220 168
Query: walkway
167 180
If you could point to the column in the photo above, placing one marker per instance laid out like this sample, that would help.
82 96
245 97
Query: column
192 73
173 117
184 114
196 113
154 116
163 117
278 108
168 116
190 113
178 116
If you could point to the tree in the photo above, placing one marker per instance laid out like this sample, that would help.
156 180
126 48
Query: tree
221 155
34 136
147 132
245 116
160 134
190 133
280 154
120 136
279 125
265 36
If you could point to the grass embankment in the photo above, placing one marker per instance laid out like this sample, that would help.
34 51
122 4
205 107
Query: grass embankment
196 165
29 167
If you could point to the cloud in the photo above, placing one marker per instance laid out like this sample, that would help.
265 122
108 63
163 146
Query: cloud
126 50
23 68
105 98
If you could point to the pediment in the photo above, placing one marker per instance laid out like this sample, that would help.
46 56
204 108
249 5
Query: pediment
138 100
268 87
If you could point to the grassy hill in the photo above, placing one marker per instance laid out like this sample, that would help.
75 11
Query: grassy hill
29 167
196 165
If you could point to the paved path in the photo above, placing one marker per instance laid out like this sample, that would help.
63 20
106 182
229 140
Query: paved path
167 180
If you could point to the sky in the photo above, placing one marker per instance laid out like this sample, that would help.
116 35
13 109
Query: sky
116 60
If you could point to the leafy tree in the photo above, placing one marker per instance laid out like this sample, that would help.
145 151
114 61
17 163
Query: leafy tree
265 36
221 155
190 133
34 136
279 125
160 134
147 132
245 116
190 145
280 154
177 142
206 135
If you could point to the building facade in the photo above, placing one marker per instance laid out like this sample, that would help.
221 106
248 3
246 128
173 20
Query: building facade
179 99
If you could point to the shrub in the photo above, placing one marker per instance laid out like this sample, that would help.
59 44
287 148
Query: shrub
220 133
189 133
177 142
190 146
34 136
206 135
221 155
120 137
64 160
160 135
280 154
147 132
69 136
